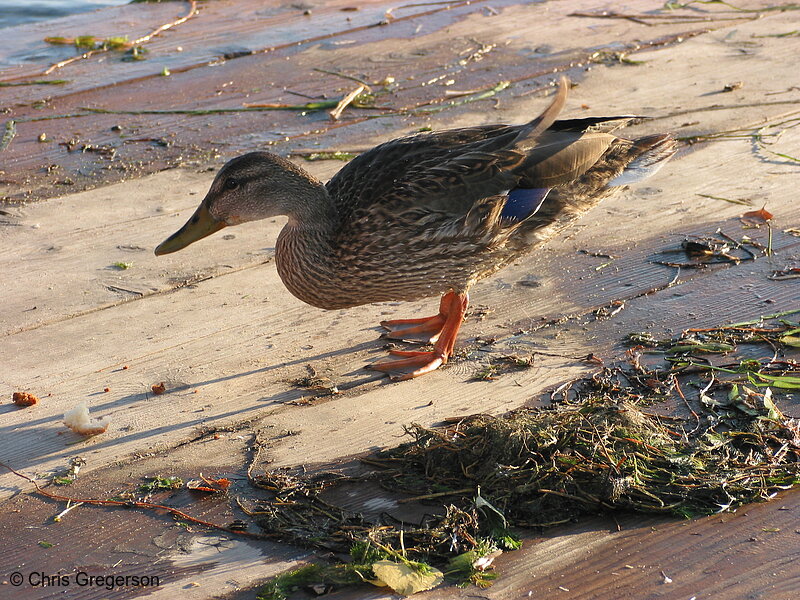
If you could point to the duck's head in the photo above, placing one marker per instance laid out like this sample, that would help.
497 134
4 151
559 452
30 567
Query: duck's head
250 187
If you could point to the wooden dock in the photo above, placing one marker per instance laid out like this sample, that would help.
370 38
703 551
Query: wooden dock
91 315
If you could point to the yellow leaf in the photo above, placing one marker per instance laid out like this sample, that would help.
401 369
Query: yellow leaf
405 580
791 340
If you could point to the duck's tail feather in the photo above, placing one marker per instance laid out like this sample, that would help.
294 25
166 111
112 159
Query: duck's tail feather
530 132
654 151
625 162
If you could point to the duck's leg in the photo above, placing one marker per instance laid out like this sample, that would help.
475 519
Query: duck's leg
426 329
416 363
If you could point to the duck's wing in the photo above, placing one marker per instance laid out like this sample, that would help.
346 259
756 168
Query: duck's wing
446 170
452 172
405 170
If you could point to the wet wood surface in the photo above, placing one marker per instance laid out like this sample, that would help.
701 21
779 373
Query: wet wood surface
215 324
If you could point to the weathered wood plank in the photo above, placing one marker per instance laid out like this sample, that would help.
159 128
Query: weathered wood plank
239 339
56 262
440 56
218 333
113 541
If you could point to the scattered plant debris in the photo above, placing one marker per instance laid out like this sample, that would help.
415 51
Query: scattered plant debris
757 216
160 484
34 82
70 506
359 100
743 201
135 53
316 383
719 248
480 95
660 19
601 445
10 130
71 474
24 399
761 137
204 484
405 578
335 155
89 42
787 273
500 365
127 503
604 443
79 421
361 93
611 57
158 388
89 46
610 310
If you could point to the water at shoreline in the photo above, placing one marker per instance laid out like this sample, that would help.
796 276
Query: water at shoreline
16 12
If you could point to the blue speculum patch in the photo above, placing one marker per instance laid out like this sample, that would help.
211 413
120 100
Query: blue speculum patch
523 202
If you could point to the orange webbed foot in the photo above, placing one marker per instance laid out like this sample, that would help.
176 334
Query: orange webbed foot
444 329
416 364
426 330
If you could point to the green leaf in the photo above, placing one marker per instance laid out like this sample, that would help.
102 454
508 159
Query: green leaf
85 42
116 43
772 411
778 381
764 318
710 347
8 134
493 514
160 483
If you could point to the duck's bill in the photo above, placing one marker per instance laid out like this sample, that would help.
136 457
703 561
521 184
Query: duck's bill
200 225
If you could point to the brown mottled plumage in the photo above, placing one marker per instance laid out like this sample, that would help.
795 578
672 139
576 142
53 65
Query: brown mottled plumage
427 214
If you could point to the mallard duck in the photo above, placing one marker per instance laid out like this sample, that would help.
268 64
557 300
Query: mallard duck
427 214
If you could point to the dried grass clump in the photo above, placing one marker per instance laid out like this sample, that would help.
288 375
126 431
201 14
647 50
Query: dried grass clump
546 466
601 445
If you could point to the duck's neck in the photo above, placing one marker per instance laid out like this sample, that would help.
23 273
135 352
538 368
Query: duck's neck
304 253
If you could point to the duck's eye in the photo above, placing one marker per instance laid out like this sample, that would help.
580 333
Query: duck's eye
231 183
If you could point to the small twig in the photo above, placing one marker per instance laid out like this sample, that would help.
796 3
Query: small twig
70 506
34 82
731 200
346 101
136 504
715 107
436 495
643 19
342 75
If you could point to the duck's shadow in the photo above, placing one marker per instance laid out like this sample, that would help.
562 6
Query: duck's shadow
50 426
